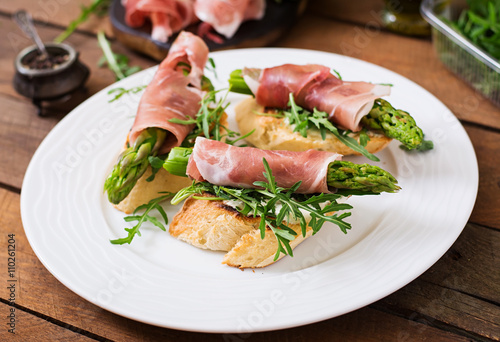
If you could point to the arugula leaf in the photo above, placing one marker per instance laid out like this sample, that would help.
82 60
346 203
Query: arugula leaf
122 91
303 120
208 122
145 217
118 63
481 24
276 207
97 7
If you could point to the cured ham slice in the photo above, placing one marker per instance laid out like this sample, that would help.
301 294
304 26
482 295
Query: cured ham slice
313 86
166 16
171 94
226 16
222 164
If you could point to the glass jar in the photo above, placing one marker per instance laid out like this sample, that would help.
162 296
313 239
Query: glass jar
403 16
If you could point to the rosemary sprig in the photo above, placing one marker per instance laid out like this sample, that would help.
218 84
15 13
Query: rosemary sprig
145 217
303 120
97 7
277 207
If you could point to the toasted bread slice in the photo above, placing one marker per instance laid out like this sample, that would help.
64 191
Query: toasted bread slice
211 224
273 133
251 251
145 191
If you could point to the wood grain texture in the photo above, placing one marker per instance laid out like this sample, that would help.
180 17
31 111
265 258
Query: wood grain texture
487 146
30 327
444 303
58 12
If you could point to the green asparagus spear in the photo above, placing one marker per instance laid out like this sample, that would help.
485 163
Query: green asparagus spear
360 178
349 178
396 124
132 164
237 83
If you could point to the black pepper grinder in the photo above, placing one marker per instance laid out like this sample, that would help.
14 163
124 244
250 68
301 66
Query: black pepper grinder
46 72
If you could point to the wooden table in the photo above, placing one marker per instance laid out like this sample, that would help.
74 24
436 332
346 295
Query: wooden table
457 299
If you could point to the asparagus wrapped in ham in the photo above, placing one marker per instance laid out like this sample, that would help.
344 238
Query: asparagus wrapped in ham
174 93
349 105
318 171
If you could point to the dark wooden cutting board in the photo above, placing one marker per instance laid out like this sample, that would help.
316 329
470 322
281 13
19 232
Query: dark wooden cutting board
255 33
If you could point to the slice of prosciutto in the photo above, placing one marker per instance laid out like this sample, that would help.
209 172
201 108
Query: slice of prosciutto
166 16
226 16
222 164
313 86
171 94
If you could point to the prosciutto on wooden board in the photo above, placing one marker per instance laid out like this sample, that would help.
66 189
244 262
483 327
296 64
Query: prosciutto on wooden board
170 16
313 86
226 16
171 94
222 164
166 16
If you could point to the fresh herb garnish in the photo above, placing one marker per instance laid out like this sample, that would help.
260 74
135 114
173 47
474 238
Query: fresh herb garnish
118 63
119 92
145 217
481 24
276 206
97 7
211 67
208 122
303 120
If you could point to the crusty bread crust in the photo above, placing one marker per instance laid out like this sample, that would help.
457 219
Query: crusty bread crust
145 191
253 252
272 133
210 224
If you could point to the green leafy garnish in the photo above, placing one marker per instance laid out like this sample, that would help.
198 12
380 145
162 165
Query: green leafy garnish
481 24
119 92
117 63
145 217
303 120
277 206
97 7
208 122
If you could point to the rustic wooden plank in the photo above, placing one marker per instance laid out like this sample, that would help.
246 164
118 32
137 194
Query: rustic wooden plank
438 307
58 12
410 57
28 327
21 131
486 145
42 293
470 266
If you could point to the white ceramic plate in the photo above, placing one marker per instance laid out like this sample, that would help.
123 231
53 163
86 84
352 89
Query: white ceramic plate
162 281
